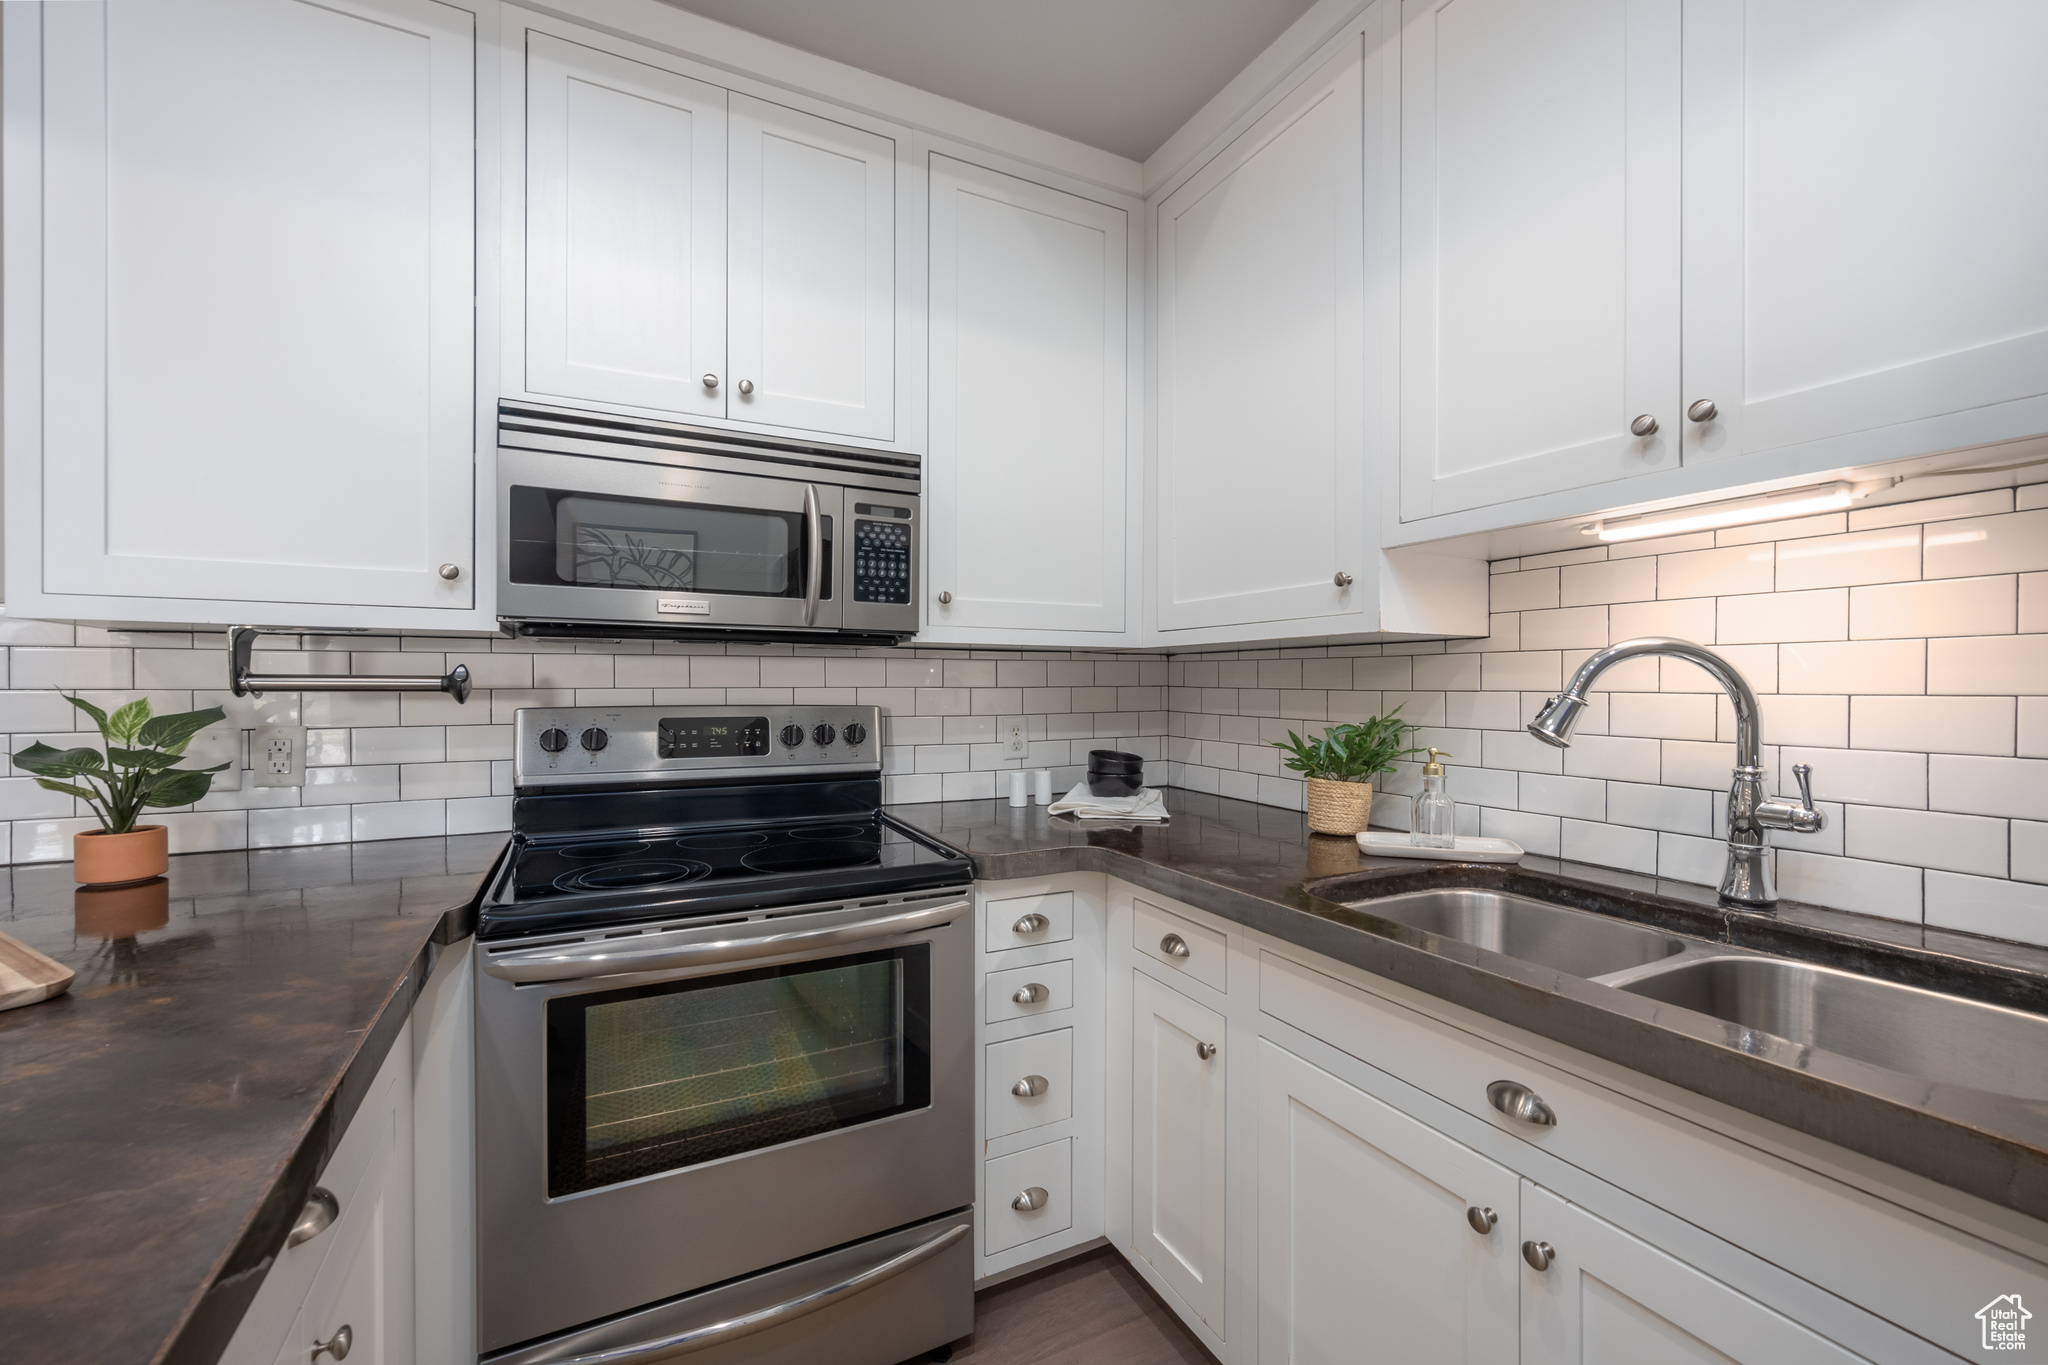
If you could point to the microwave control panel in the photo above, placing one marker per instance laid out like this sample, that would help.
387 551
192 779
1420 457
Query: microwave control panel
881 561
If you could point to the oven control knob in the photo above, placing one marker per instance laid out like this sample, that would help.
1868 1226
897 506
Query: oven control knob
594 739
554 739
824 734
856 733
792 735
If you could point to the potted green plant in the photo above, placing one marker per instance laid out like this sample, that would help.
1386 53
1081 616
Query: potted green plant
1341 765
138 770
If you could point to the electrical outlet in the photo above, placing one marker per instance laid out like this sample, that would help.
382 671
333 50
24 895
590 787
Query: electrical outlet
1015 745
277 756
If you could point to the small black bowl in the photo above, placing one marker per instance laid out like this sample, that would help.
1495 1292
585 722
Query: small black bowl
1112 773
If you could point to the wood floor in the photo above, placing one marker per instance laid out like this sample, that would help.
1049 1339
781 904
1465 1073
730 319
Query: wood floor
1092 1310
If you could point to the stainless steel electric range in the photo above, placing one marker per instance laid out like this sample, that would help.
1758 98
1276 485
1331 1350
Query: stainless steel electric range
724 1049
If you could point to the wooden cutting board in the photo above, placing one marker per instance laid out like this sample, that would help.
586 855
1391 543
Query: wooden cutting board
26 976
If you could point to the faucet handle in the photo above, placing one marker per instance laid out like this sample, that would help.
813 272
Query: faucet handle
1802 773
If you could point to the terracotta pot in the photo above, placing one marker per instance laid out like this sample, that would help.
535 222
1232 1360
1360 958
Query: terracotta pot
102 859
1338 807
122 911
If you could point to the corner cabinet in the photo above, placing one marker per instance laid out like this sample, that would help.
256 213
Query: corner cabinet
698 253
1027 479
241 281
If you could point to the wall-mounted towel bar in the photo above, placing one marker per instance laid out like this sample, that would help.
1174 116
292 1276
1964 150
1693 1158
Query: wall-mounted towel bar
242 643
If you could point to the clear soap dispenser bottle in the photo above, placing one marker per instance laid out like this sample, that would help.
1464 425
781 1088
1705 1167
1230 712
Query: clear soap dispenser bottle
1432 825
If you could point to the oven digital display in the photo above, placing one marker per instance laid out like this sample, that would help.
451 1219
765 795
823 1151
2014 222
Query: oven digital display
717 737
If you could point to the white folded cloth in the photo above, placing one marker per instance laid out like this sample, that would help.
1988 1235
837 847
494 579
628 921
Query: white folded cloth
1148 804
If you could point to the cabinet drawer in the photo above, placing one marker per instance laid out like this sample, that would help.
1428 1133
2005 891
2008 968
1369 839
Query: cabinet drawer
1047 1057
1160 934
1007 927
1005 1178
1898 1265
1055 981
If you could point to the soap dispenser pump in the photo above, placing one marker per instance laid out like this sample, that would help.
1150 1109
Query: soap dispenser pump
1432 825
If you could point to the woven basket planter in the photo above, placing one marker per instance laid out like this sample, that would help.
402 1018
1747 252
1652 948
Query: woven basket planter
1338 807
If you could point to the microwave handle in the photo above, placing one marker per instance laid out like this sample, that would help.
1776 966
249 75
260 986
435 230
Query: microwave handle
574 962
814 554
718 1333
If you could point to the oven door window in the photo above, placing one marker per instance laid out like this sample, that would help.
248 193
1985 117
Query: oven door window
655 1078
589 540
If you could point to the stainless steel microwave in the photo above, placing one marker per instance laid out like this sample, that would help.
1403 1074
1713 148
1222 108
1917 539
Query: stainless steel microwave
628 525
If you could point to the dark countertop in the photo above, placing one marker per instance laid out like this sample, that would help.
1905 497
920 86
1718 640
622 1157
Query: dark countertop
1259 866
162 1122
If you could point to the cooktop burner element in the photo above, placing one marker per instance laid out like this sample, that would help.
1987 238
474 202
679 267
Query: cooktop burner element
616 847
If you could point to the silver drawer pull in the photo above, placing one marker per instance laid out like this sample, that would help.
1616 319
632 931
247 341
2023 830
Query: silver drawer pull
338 1345
1030 1088
1173 945
1539 1255
322 1208
1205 1050
1033 923
1030 995
1482 1220
1521 1104
1031 1201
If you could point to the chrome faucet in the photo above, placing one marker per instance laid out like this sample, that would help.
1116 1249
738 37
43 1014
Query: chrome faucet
1749 880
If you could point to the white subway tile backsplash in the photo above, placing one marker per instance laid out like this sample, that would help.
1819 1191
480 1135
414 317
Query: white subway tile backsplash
1983 664
1888 555
1688 619
1716 572
1988 786
1884 889
1661 715
1951 725
1987 905
1957 606
1861 776
1530 590
1680 810
1539 834
2014 543
1606 582
1609 756
1797 718
1586 841
1777 617
2033 727
1854 666
2029 851
1577 797
1991 500
1923 838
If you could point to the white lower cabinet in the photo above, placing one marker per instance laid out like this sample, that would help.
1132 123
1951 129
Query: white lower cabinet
1606 1298
1177 1154
1027 1196
1376 1228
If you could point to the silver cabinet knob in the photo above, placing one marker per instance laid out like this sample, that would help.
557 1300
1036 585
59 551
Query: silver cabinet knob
1342 580
1646 425
1205 1050
945 599
1033 923
1173 945
1030 1088
1029 995
338 1345
1031 1201
746 386
451 572
1703 411
1482 1220
710 381
1539 1255
1521 1104
322 1208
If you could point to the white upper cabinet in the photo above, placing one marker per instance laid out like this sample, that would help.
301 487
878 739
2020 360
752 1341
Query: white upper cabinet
1539 246
1865 187
811 320
1260 479
240 279
1025 481
625 231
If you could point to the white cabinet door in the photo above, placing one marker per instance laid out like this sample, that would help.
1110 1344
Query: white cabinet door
1026 514
1367 1231
365 1286
812 292
256 332
1608 1298
1261 480
1865 184
1539 246
1177 1147
625 231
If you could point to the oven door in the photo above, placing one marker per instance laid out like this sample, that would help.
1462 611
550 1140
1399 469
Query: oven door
719 1100
599 540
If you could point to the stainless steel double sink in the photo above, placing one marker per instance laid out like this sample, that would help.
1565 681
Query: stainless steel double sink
1917 1032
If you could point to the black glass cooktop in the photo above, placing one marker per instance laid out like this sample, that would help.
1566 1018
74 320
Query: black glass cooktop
567 882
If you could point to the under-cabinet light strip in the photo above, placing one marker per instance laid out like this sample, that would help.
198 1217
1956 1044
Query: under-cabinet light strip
1792 502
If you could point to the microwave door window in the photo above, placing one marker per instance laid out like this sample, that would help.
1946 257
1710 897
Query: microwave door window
681 547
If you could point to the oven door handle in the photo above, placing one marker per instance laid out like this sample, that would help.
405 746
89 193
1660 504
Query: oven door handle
814 554
718 1333
602 958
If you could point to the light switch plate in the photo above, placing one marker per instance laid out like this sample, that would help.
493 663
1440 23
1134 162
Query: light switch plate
277 756
217 743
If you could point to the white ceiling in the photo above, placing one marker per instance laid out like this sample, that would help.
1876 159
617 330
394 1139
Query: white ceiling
1116 74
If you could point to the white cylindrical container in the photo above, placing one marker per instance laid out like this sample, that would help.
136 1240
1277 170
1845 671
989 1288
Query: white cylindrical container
1017 780
1043 780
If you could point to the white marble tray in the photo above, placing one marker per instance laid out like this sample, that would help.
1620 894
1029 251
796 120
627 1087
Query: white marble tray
1387 843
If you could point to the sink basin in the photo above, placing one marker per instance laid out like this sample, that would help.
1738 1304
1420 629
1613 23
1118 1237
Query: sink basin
1549 935
1902 1028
